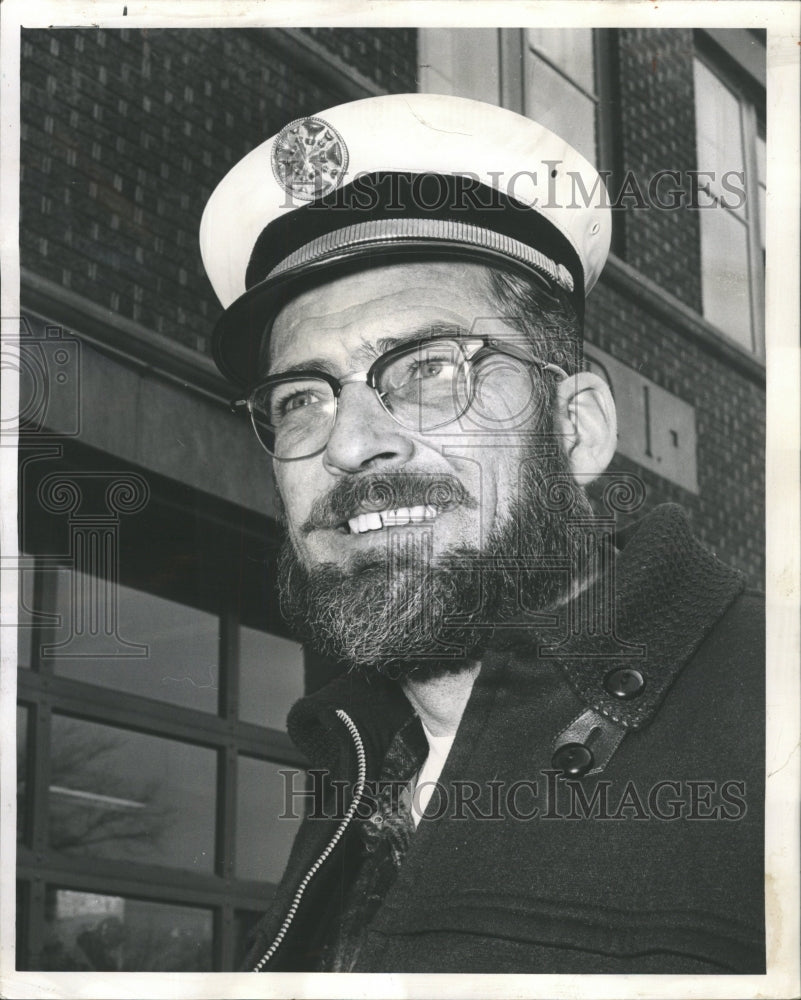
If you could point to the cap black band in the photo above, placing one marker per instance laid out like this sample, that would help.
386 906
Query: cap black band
391 195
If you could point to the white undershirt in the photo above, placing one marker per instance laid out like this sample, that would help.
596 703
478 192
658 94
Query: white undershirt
438 749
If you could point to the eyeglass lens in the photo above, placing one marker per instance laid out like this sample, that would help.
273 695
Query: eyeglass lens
423 388
427 387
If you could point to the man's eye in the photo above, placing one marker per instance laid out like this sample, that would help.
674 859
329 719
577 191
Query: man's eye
428 368
297 400
432 367
290 403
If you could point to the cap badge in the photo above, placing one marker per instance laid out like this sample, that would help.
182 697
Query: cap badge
309 158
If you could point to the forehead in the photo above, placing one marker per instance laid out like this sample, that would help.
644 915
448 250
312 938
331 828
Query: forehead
380 304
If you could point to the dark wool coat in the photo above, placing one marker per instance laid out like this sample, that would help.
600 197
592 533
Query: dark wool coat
654 863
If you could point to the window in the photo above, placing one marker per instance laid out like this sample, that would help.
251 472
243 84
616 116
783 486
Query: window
464 62
548 74
730 144
568 80
154 684
565 78
559 84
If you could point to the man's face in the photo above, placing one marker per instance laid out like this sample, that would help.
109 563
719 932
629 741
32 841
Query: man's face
342 327
400 597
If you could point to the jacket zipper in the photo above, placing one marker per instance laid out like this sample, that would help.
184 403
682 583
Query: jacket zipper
332 843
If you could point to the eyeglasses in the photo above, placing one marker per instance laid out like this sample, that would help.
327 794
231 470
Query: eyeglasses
423 385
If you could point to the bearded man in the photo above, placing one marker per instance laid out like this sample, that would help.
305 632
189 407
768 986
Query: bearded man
545 752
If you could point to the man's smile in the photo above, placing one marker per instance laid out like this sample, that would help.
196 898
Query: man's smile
369 504
376 520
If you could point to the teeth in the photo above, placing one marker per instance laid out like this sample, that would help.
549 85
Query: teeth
391 518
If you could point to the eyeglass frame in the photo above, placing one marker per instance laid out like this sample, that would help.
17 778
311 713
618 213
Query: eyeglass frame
487 344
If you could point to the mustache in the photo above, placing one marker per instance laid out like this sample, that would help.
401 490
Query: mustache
372 492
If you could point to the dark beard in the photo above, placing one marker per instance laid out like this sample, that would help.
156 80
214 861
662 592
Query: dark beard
397 614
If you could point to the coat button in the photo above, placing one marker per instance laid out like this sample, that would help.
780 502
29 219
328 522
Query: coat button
624 683
573 759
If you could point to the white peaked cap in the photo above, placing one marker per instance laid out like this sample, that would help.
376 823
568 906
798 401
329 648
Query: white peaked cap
501 188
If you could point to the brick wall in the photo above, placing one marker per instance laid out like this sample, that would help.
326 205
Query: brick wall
657 132
728 512
387 56
126 133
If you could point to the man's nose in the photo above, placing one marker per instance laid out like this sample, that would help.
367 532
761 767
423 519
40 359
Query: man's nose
364 435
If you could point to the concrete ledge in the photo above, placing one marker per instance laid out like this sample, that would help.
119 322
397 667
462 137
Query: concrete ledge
646 294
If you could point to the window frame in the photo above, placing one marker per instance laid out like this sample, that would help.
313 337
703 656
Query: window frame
43 692
512 44
750 95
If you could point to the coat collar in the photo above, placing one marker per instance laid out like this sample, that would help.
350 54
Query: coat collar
667 591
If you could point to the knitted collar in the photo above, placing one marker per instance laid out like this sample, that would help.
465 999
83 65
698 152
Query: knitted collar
648 611
667 590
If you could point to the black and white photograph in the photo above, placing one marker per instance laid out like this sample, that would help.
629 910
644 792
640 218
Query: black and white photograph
400 449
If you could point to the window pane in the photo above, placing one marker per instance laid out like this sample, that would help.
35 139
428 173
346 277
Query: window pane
244 922
761 177
718 130
724 257
263 840
24 613
93 933
271 677
555 103
462 62
180 644
22 770
568 48
22 909
761 157
118 794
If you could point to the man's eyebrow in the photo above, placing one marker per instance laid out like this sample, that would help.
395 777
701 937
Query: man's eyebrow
367 353
421 333
316 364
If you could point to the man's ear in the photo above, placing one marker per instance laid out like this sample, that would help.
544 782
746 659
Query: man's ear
587 424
